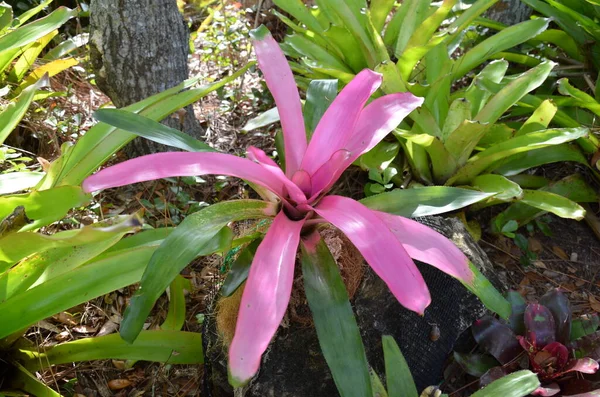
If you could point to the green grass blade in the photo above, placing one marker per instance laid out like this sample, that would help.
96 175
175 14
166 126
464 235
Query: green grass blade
338 332
189 240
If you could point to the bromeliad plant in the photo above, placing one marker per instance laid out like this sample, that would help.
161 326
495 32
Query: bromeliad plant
297 201
539 337
458 136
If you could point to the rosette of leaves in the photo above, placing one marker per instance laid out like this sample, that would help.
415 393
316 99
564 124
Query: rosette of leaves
540 337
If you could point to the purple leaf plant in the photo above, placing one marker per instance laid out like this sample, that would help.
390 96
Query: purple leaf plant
545 347
348 128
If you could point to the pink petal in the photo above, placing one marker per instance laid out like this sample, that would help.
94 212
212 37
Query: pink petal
260 157
330 172
380 248
265 299
378 119
338 122
169 164
547 390
426 245
282 85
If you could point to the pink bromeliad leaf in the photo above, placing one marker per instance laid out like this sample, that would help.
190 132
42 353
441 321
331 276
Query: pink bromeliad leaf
329 172
338 122
282 85
380 248
547 390
585 365
260 157
426 245
265 298
169 164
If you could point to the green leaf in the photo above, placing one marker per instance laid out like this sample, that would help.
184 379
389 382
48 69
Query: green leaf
239 269
312 50
416 11
319 96
31 32
328 300
517 384
584 326
535 140
491 183
150 129
17 246
494 72
12 114
400 382
507 38
264 119
30 13
518 163
298 10
462 140
377 386
26 381
513 92
172 347
73 288
45 206
489 296
424 201
189 240
540 119
380 157
28 57
66 47
176 313
17 181
584 100
475 364
552 202
380 9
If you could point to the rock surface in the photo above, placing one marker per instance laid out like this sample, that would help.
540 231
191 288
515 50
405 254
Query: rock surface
294 366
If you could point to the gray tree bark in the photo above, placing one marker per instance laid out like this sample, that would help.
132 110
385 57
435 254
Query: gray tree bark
509 12
139 48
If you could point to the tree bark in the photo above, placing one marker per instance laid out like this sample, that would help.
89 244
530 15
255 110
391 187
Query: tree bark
509 12
139 48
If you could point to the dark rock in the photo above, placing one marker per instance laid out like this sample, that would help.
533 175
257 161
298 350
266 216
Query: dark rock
294 366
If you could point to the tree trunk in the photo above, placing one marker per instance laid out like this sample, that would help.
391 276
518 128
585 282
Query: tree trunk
139 48
509 12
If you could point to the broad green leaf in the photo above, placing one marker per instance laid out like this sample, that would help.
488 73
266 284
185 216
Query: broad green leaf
73 288
152 237
264 119
6 16
506 190
584 326
43 266
319 96
30 13
67 46
573 187
17 246
424 201
418 159
189 240
51 69
350 49
487 293
377 386
26 381
312 50
507 38
380 157
517 384
12 114
416 11
462 140
172 347
477 96
540 119
535 140
566 22
101 141
437 72
298 10
45 206
475 364
29 56
563 40
31 32
239 269
588 24
459 112
399 379
552 202
380 9
176 314
518 163
585 100
513 92
150 129
17 181
466 18
328 300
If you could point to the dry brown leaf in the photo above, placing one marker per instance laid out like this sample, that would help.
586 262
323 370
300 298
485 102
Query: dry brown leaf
571 269
108 328
580 283
560 252
535 245
594 304
118 384
65 318
84 329
119 364
539 265
62 336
